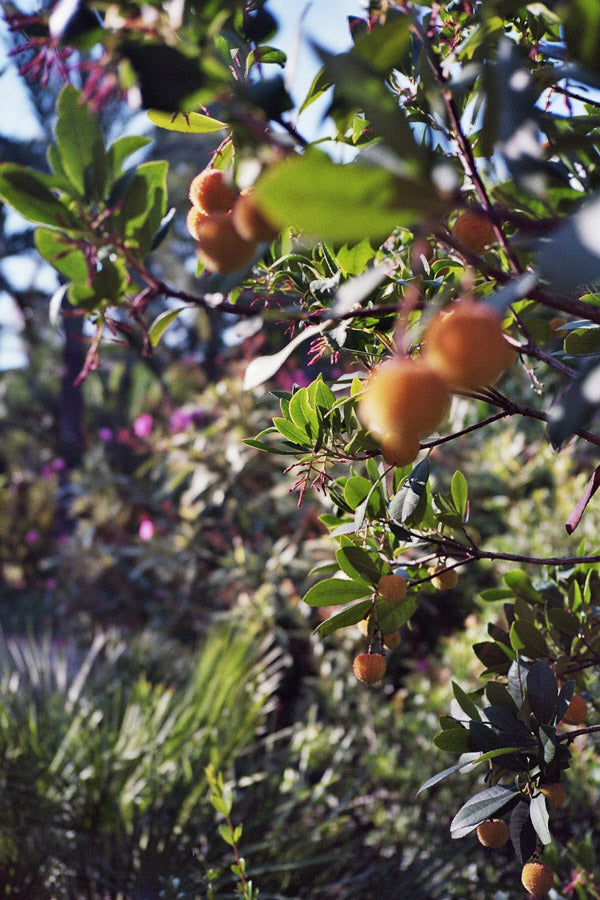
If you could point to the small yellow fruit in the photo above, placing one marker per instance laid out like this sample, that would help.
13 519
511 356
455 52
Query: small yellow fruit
403 397
400 450
363 626
249 220
220 247
210 193
445 581
392 588
493 833
576 711
467 346
474 231
537 878
392 640
369 667
555 794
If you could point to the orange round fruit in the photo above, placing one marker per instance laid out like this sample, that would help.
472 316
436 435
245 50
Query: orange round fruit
220 247
555 794
445 581
392 588
493 833
403 397
400 450
473 230
537 878
466 346
392 640
576 711
210 193
369 667
249 220
194 217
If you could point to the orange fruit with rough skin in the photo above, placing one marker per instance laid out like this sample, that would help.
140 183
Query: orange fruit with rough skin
193 219
403 397
392 640
444 581
493 833
392 588
220 247
555 794
369 667
249 220
210 193
537 878
466 345
576 711
473 230
400 450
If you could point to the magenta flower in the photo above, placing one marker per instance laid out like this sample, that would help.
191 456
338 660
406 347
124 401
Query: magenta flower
143 425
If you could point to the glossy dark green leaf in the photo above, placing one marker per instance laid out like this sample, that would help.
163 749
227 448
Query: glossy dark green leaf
80 144
64 254
393 616
527 638
343 619
180 75
410 493
520 583
542 691
143 205
359 564
454 740
465 702
122 148
29 193
335 592
498 695
564 698
575 407
522 832
479 808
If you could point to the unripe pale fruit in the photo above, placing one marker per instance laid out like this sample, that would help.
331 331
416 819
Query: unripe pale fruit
537 878
194 217
392 640
555 794
220 247
363 626
576 712
467 346
249 220
369 667
493 833
474 231
392 588
403 396
445 581
400 450
210 193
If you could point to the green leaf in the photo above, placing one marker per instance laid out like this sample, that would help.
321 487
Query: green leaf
359 564
321 83
460 493
471 763
525 636
582 32
522 832
62 253
520 584
292 432
539 818
264 367
161 323
574 409
29 193
226 834
393 616
335 592
542 692
410 494
491 595
498 695
144 204
340 202
187 123
465 702
454 740
349 616
479 808
583 341
302 413
80 144
123 147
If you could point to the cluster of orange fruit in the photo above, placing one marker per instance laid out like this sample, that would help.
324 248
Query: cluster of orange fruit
465 348
370 667
227 225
